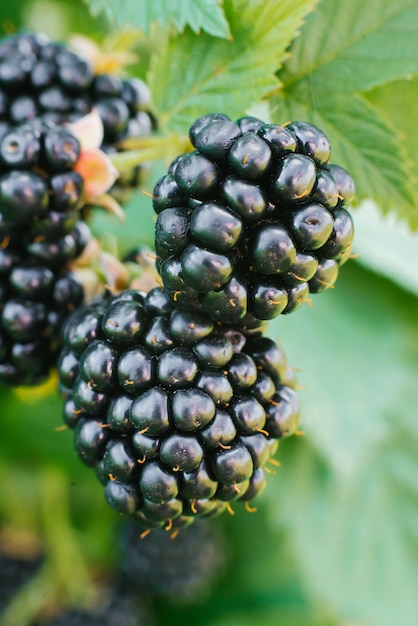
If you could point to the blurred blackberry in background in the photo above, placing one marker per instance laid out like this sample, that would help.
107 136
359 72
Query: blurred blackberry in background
14 573
175 413
253 220
182 570
40 234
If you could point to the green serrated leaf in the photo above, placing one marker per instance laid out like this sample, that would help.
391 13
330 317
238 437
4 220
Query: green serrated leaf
198 14
365 145
353 46
194 75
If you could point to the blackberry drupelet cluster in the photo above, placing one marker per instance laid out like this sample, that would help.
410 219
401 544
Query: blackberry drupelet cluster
177 414
253 220
44 79
39 234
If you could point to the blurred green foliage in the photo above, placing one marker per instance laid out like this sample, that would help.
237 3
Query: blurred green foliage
335 539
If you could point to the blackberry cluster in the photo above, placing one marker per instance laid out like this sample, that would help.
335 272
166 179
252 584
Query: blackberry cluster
46 80
253 220
178 415
39 234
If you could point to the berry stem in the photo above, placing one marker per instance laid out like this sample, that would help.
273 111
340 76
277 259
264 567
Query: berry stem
63 550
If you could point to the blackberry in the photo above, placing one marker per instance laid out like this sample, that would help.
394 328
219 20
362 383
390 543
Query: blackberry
253 220
39 196
49 81
173 411
180 570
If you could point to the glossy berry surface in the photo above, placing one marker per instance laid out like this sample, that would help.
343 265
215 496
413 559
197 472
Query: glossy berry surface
248 221
171 409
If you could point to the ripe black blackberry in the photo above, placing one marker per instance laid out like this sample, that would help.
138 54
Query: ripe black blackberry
43 79
175 413
40 192
253 220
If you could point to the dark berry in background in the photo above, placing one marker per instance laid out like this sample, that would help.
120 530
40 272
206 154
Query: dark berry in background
15 571
176 413
182 569
40 234
254 220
